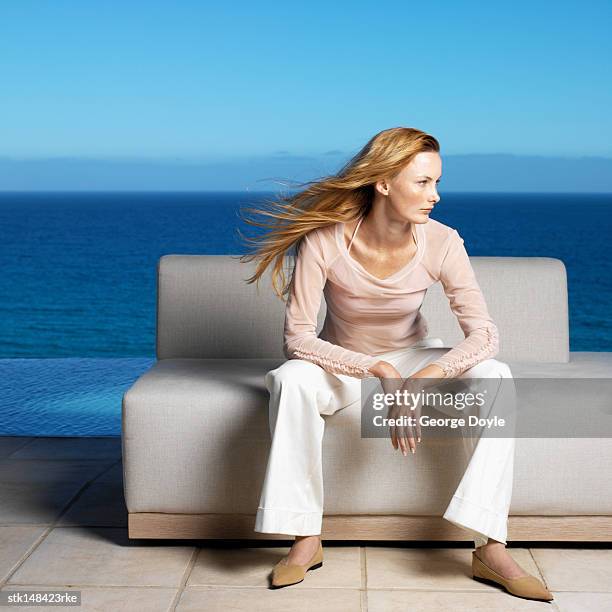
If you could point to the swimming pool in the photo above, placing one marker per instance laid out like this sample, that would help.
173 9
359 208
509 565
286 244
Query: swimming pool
66 396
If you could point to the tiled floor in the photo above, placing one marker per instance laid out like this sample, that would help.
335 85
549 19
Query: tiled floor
63 526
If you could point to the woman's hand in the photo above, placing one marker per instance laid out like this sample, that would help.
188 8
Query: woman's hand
402 437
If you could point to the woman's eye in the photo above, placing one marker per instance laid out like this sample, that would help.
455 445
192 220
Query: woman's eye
422 182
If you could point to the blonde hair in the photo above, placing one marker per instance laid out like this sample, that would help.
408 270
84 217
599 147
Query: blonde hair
338 198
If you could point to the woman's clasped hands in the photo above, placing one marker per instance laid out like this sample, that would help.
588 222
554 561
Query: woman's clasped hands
405 410
404 431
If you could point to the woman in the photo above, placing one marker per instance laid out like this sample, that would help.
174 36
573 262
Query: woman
364 238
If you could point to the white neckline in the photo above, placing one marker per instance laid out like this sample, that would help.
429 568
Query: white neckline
350 244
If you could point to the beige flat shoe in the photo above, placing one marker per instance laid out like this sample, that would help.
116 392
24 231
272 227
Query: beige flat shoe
529 587
285 574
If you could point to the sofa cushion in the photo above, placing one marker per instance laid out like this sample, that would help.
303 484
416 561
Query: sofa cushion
196 440
206 309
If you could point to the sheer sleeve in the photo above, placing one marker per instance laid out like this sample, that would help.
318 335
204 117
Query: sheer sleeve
300 338
468 304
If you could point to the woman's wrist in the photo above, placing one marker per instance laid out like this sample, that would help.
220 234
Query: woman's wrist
429 371
383 369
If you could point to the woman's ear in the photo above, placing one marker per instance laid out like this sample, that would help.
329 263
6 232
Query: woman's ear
382 187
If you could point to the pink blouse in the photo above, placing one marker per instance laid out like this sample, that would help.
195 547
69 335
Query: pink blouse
367 316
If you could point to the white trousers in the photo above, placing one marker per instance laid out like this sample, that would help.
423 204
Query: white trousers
301 392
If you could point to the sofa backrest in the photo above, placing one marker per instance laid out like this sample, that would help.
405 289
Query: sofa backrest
205 309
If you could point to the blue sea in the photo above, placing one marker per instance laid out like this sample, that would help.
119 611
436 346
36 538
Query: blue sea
78 283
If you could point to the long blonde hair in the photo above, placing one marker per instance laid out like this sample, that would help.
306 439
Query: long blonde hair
338 198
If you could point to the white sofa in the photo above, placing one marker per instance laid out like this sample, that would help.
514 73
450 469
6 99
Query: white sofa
195 431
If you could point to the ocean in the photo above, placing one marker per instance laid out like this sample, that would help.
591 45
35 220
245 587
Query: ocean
79 278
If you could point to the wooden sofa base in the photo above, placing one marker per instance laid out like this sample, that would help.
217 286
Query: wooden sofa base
582 528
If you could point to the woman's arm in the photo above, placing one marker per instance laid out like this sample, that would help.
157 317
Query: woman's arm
467 302
300 336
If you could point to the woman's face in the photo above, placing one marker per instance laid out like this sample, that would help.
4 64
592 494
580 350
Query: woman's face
413 192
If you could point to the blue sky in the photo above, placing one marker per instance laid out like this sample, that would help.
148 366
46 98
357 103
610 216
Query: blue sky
211 81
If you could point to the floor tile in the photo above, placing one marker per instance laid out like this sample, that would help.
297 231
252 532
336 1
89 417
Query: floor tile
15 542
103 599
103 556
430 568
457 601
583 602
253 566
9 444
269 600
575 569
48 472
112 475
99 505
34 503
70 448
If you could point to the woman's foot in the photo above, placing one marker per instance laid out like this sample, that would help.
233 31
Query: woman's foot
495 555
306 554
303 549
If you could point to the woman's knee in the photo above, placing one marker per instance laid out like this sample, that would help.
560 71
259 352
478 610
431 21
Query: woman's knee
503 369
292 371
492 368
